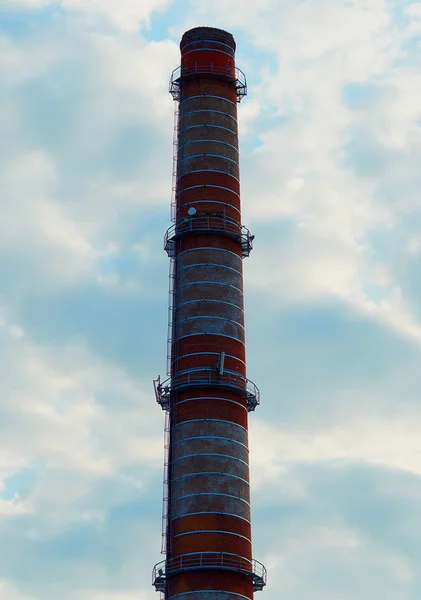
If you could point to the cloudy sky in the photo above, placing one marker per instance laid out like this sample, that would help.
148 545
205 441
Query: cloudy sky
331 180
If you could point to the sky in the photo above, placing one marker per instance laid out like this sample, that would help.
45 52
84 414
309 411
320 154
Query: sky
330 157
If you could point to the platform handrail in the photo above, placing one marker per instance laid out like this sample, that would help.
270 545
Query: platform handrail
209 224
233 74
211 560
202 378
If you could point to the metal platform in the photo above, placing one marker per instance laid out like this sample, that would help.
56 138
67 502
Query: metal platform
208 224
205 378
209 560
209 70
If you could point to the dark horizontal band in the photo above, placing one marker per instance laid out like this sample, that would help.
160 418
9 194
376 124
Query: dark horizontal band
209 512
222 156
208 96
205 398
211 201
210 301
210 420
206 125
187 319
209 437
210 454
207 185
204 48
213 248
181 356
210 494
208 171
195 532
210 264
206 141
211 473
222 335
207 110
207 282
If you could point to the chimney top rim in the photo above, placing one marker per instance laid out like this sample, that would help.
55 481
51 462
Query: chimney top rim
207 33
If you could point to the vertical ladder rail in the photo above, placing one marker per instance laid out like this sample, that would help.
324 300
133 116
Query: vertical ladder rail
165 502
174 165
172 261
165 496
170 336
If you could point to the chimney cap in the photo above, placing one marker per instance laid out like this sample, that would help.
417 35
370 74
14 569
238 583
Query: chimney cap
198 34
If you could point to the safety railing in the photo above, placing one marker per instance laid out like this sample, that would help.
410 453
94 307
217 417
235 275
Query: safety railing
162 393
159 577
208 69
209 560
208 224
206 378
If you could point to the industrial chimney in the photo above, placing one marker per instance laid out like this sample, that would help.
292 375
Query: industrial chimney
207 397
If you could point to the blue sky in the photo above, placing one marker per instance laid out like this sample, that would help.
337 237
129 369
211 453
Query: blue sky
331 148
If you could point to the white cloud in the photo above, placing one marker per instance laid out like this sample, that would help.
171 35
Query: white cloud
11 508
247 116
331 561
310 265
106 595
25 3
64 191
9 592
140 71
127 15
61 399
59 421
414 10
33 220
18 65
303 173
388 443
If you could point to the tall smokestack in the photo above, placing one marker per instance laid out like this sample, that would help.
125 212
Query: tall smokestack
206 516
